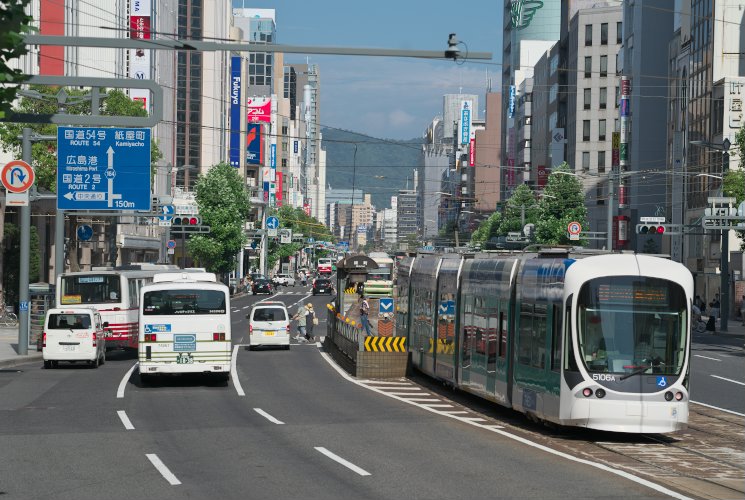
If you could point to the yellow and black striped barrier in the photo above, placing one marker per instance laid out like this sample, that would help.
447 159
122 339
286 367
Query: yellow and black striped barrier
385 344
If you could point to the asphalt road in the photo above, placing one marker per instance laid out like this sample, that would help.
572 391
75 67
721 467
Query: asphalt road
718 371
302 430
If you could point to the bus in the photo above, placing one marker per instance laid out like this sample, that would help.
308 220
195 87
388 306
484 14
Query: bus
113 292
325 265
184 326
380 281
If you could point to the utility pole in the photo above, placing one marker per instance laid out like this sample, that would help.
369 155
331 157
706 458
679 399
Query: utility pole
724 266
609 228
23 273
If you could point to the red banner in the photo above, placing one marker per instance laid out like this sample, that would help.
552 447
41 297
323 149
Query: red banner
472 153
139 27
542 177
278 193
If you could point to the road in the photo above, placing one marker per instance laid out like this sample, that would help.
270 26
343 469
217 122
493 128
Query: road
718 372
302 430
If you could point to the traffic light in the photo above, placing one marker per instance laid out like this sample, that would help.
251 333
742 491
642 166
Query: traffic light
657 228
186 220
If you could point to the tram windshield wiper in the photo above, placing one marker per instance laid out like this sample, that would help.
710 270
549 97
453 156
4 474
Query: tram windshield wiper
638 371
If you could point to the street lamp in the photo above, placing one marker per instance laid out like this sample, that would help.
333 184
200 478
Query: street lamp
724 252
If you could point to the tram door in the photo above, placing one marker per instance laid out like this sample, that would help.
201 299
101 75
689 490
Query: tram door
444 342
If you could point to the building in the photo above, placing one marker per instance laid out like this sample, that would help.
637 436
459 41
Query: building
407 211
437 155
486 159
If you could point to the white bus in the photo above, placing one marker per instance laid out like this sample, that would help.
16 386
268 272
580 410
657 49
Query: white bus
112 291
184 326
380 281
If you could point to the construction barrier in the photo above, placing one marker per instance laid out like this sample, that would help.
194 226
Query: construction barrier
385 344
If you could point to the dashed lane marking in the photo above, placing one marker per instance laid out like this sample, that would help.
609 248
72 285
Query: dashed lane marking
125 420
336 458
123 383
729 380
268 417
706 357
164 471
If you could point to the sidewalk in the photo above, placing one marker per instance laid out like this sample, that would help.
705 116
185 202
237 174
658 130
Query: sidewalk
9 349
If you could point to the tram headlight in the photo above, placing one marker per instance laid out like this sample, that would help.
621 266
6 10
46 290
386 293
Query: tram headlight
600 393
678 396
587 392
668 396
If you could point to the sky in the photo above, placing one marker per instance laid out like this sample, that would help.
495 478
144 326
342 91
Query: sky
392 98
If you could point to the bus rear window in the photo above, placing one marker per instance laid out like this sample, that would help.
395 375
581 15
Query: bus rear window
90 289
183 302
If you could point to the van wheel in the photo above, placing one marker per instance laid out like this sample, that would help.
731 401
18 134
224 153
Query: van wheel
48 365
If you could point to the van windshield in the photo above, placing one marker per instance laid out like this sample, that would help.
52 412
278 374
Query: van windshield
69 321
269 314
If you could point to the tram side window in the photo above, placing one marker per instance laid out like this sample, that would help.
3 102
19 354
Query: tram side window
538 351
525 339
570 362
502 334
493 347
468 329
556 339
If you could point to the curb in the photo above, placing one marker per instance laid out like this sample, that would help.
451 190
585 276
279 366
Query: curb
9 363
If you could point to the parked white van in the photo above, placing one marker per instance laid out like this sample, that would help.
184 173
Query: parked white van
73 334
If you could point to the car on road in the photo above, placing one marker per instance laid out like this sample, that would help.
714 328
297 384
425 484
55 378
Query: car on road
74 334
283 279
323 285
262 285
269 325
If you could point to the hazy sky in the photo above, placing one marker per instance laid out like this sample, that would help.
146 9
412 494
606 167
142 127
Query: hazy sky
389 97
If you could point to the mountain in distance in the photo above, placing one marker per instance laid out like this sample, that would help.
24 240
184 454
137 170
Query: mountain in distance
381 168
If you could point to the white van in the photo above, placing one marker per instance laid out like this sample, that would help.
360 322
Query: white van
269 324
73 334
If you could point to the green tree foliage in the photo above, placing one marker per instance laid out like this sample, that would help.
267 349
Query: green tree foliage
15 23
300 223
521 205
11 247
223 205
734 180
487 229
563 202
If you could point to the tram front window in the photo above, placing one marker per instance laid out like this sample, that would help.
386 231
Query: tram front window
632 325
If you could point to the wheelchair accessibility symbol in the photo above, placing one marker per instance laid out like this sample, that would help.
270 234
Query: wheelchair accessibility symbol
661 382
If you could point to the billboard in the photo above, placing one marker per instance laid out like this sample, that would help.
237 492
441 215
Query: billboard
139 59
253 144
258 109
235 111
279 189
466 115
472 153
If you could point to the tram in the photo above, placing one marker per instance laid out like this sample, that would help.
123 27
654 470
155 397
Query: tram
574 338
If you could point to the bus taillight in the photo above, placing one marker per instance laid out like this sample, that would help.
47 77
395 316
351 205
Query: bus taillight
150 337
218 336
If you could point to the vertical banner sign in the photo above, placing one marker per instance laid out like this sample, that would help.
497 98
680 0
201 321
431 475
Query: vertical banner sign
625 113
139 59
542 176
511 102
273 156
253 143
472 153
279 189
466 115
294 146
616 146
235 111
258 109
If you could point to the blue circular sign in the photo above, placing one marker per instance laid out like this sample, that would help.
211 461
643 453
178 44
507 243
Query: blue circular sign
167 211
85 232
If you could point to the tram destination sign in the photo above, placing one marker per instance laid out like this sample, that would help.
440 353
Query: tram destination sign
103 169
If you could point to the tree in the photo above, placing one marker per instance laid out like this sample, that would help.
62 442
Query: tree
15 23
487 229
521 208
223 205
11 250
563 202
734 180
300 223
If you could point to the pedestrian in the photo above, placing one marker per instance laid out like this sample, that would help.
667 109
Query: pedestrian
303 278
364 313
714 305
301 321
310 320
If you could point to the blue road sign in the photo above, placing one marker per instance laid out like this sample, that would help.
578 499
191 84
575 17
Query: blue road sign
85 232
103 168
272 223
167 211
23 306
447 307
386 305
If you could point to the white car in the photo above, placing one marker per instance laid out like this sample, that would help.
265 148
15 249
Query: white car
74 334
283 279
269 325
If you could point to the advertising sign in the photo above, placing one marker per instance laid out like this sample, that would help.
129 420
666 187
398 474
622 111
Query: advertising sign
235 111
139 59
625 107
253 144
542 175
625 86
279 189
511 103
259 109
273 156
466 108
472 153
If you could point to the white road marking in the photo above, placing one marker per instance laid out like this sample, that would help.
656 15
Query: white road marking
123 383
268 417
706 357
345 463
246 307
439 405
498 430
167 474
459 412
729 380
407 394
125 420
383 382
234 371
718 408
424 400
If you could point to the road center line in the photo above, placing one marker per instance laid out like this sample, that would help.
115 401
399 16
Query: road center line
718 408
707 357
125 420
268 417
167 474
234 371
345 463
123 383
729 380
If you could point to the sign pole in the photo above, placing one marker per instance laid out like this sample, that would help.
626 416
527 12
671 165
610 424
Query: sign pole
23 274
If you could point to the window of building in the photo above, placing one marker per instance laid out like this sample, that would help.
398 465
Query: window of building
601 130
604 34
588 98
618 96
616 125
603 66
619 32
586 130
601 162
599 198
588 34
588 66
585 161
603 97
